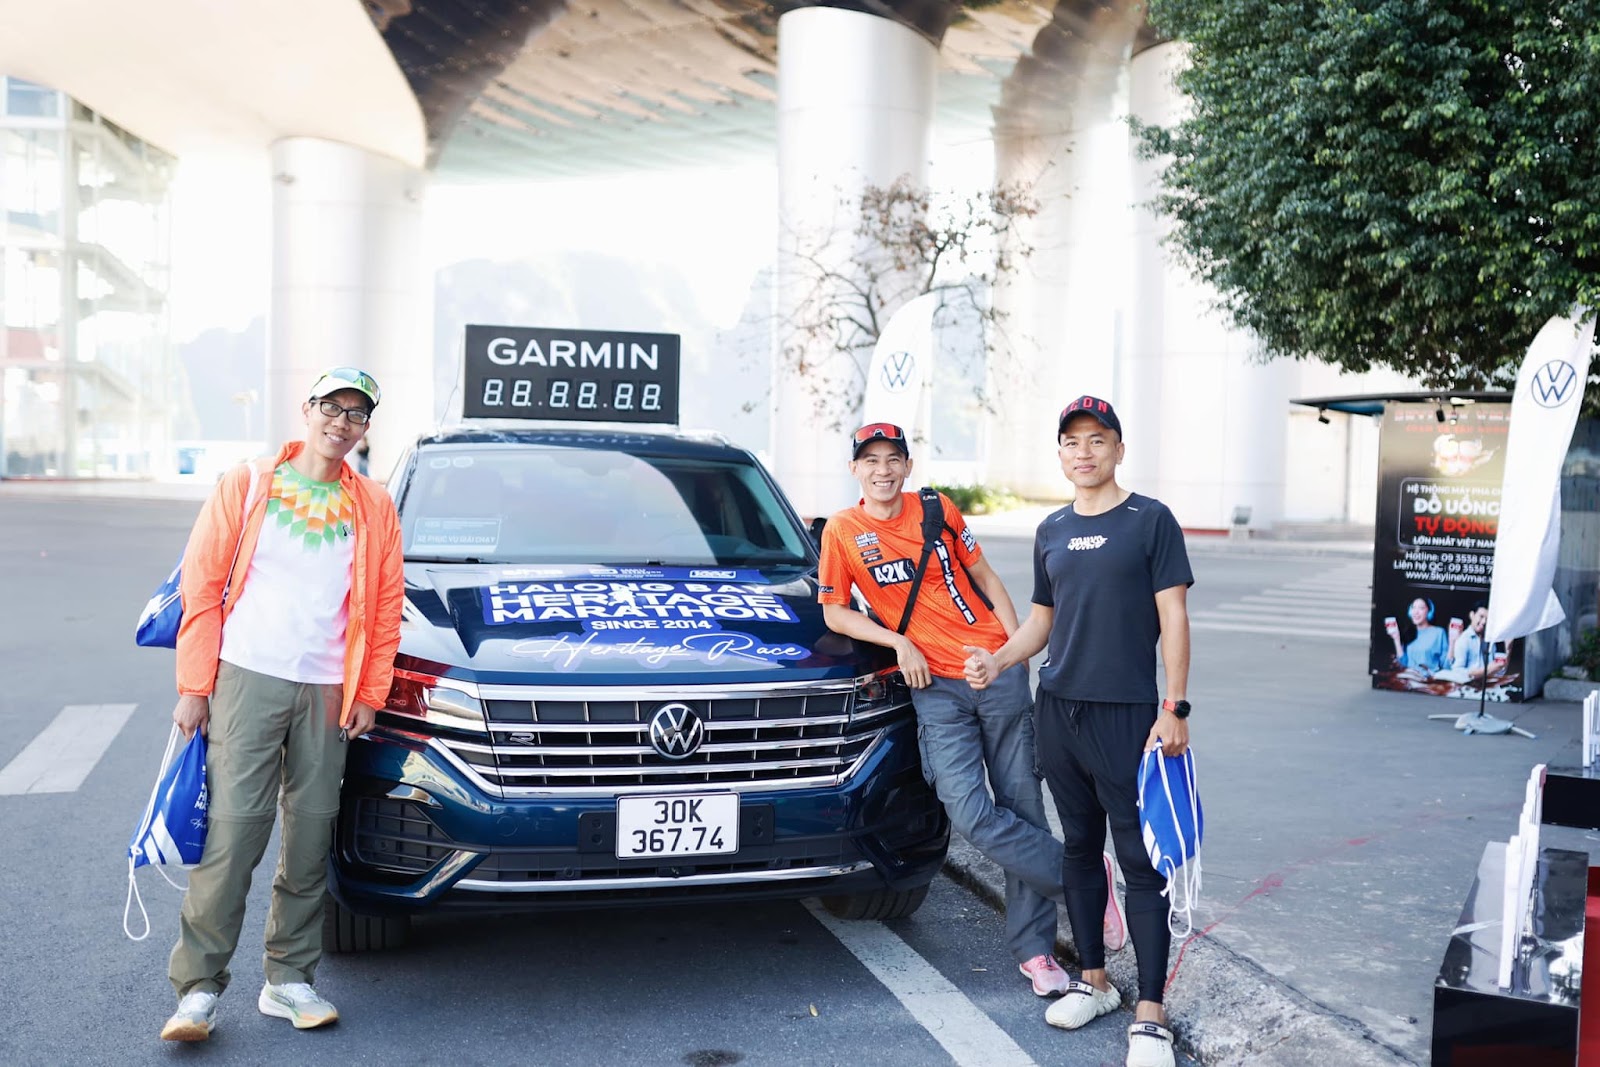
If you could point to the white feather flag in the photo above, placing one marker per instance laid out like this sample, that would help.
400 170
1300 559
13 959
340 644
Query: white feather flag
1544 411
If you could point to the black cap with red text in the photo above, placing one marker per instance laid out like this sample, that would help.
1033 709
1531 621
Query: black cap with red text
1094 406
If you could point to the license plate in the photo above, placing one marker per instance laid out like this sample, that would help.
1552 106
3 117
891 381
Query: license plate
683 824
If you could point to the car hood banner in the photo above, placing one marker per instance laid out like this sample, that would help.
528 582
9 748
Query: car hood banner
621 625
1439 486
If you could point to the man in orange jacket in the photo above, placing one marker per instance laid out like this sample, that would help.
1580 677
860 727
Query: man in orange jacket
292 587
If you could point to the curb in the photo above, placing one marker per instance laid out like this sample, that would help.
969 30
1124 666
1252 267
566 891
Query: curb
1568 689
1227 1011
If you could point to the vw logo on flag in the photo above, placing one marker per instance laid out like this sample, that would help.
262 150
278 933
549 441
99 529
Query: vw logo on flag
898 370
1553 383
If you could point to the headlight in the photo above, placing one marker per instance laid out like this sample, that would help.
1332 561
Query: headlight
442 702
877 693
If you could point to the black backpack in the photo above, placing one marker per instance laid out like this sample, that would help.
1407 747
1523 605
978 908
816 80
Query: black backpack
933 530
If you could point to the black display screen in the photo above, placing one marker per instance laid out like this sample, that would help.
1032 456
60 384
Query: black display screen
529 372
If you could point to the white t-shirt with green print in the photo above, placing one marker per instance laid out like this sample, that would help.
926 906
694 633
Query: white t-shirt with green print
289 620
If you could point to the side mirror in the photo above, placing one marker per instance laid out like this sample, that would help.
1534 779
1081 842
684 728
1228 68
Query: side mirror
815 526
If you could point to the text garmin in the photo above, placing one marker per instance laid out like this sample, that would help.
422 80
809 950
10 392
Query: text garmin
614 683
525 372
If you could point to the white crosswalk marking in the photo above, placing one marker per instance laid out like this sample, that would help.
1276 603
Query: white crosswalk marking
61 757
970 1037
1334 605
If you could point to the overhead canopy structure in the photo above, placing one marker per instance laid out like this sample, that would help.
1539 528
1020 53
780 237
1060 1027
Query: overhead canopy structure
231 75
517 91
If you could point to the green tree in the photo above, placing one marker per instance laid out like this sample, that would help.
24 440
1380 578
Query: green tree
1412 184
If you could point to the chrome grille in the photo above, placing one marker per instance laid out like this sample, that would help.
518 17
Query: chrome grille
539 741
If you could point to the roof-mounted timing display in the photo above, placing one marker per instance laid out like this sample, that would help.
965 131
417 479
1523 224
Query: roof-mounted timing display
529 372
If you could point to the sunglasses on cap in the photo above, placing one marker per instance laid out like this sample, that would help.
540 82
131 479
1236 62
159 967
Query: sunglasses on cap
353 377
886 430
879 432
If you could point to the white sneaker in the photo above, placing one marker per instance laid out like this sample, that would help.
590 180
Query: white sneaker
1115 926
298 1003
1149 1045
194 1020
1082 1003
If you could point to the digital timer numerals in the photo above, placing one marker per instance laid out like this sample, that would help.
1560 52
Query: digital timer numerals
563 394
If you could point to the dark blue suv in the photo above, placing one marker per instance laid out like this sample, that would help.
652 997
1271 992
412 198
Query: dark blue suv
615 687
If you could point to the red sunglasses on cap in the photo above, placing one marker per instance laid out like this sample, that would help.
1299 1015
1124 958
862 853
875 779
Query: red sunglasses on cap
878 431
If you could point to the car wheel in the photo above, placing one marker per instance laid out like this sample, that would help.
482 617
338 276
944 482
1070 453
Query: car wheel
345 931
882 904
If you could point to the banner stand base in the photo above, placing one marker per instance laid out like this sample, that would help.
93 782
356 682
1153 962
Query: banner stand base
1475 722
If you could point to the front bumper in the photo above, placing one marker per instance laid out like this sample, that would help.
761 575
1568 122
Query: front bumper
415 834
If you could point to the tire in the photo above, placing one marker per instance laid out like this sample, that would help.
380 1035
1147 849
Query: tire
882 904
345 931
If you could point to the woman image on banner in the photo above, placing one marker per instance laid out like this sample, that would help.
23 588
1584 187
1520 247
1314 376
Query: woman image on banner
1429 650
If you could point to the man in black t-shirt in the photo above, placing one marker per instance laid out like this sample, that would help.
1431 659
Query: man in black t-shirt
1111 578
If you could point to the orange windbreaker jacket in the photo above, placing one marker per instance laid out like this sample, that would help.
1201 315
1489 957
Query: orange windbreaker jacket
377 580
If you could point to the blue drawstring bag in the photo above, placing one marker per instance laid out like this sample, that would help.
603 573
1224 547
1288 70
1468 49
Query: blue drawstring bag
1173 824
172 832
163 612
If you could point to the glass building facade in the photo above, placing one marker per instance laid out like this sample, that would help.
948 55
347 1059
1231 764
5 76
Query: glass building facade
86 364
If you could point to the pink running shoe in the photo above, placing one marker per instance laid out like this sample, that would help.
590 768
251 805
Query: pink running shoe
1048 977
1115 927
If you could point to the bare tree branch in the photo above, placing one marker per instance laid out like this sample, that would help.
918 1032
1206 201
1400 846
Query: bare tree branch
907 243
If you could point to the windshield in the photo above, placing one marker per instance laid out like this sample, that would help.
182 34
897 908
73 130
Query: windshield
552 505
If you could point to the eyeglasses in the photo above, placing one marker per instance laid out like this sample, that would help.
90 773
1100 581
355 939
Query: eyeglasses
888 431
357 416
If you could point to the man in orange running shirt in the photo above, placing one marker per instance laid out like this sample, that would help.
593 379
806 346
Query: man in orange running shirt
968 737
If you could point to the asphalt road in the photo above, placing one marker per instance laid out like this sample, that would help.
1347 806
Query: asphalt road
761 984
1343 830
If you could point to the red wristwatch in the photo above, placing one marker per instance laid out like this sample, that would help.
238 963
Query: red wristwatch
1180 708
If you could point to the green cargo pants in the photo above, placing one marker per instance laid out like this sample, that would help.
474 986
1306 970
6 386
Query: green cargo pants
268 739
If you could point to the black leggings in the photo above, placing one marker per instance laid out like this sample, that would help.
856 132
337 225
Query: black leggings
1089 754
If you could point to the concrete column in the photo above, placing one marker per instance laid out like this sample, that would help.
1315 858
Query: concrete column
855 108
1062 330
1061 132
1221 411
1151 98
1028 369
348 288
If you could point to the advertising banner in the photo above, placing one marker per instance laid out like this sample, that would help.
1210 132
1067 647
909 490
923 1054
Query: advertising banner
1544 410
1439 485
900 376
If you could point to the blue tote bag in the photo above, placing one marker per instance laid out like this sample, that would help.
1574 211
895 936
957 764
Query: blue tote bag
1173 823
172 832
163 612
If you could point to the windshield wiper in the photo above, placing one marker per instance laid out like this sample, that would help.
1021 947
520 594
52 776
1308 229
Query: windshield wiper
475 560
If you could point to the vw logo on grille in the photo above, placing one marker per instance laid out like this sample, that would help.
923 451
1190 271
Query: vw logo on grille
676 731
